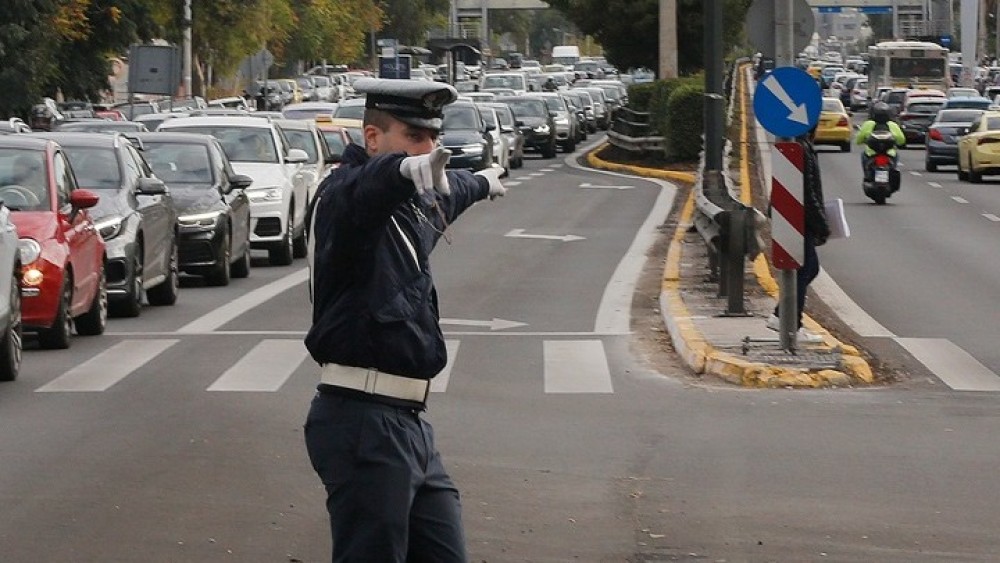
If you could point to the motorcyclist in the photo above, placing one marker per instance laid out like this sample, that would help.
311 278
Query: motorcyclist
880 119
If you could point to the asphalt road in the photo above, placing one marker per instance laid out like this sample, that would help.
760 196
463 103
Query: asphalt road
926 265
177 437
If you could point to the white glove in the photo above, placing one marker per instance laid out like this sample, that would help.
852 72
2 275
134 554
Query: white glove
493 175
427 171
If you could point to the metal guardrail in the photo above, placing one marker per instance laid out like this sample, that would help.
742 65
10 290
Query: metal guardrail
726 225
631 131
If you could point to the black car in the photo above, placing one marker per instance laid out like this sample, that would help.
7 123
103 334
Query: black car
917 116
535 121
213 212
943 135
467 136
135 216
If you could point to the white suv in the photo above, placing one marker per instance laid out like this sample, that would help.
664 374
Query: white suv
278 195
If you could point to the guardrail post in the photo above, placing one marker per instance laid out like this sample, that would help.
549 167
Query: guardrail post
737 245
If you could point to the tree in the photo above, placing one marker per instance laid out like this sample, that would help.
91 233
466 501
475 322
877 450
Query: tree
629 29
408 21
332 29
26 53
92 31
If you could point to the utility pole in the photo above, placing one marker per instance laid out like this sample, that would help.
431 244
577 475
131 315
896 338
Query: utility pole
714 99
187 49
668 39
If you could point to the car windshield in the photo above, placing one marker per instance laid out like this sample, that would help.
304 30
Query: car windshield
178 162
460 117
504 117
833 106
958 115
971 103
527 108
489 117
23 184
96 168
242 144
299 139
554 104
350 111
514 82
334 141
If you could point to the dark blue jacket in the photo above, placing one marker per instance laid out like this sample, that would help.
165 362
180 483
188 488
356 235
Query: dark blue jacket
374 302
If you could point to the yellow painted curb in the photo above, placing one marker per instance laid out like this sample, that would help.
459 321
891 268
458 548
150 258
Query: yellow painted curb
596 162
690 344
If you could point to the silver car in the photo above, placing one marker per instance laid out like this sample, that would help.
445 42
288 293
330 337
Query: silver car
10 298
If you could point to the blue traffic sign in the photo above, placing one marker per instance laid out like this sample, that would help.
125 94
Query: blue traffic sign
787 102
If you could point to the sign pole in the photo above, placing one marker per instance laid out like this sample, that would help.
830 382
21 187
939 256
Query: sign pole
783 56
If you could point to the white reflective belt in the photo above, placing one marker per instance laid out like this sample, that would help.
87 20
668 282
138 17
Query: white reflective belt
374 382
409 245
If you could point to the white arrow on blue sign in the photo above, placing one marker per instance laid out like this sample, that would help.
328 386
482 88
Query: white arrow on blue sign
787 102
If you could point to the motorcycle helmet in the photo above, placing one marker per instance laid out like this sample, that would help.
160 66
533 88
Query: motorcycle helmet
881 112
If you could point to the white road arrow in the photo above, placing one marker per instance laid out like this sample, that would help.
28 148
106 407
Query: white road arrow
596 186
798 112
495 324
519 233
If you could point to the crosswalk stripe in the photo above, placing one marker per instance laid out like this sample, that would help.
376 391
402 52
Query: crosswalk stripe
222 315
576 366
440 382
109 367
265 368
956 367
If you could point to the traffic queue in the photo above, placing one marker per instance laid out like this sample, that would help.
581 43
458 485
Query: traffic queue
102 215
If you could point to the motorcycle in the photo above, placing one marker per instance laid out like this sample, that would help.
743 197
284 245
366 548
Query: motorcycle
882 178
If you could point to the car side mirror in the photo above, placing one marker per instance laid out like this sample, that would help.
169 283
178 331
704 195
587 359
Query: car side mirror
83 199
519 123
296 156
491 127
151 186
334 159
239 182
506 129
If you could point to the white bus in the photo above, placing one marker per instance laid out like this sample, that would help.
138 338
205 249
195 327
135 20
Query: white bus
908 64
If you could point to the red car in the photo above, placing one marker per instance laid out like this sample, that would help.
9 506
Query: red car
62 254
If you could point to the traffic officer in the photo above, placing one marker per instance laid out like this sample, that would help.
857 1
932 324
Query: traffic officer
376 332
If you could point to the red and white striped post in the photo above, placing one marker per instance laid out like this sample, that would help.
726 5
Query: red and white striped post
787 231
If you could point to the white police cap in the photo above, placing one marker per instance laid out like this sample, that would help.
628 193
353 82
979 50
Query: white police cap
416 102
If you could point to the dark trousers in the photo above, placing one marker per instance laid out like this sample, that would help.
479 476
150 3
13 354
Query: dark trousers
803 277
388 495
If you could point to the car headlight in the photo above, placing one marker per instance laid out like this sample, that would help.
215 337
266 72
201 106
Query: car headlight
472 149
543 129
204 220
110 227
29 249
562 121
264 194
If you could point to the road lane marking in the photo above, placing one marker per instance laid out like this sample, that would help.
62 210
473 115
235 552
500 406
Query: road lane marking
556 165
915 173
846 308
991 217
265 368
536 174
519 233
302 333
546 170
109 367
514 183
576 366
222 315
954 366
440 382
959 199
934 185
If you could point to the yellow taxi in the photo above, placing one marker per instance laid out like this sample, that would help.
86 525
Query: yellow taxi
979 148
815 69
339 130
296 91
834 126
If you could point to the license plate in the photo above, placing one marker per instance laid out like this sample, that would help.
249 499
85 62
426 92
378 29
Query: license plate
882 176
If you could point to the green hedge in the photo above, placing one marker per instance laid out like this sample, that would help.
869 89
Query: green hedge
685 122
676 108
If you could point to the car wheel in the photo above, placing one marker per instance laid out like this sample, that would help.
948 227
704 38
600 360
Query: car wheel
95 320
284 253
973 176
220 276
10 346
930 166
570 146
550 150
300 248
241 268
166 292
845 147
57 336
131 306
962 174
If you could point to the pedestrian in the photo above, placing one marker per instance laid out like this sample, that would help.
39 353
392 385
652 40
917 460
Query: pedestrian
817 230
375 329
